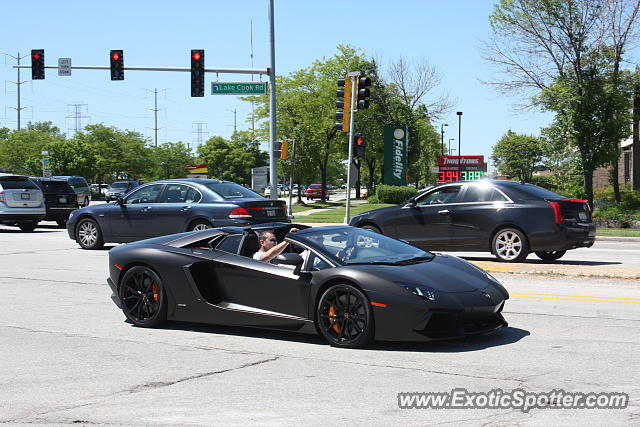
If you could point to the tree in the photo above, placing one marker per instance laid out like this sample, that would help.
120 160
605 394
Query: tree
72 157
562 53
168 160
21 151
518 155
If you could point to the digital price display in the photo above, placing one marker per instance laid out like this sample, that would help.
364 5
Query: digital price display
452 176
460 168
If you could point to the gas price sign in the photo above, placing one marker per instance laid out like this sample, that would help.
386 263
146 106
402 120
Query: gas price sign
460 168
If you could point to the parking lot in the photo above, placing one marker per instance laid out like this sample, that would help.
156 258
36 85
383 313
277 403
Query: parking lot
69 357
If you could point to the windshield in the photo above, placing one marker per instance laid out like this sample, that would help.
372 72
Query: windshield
120 185
350 245
230 190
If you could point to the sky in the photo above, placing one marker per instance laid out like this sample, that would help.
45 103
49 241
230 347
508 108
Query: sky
161 33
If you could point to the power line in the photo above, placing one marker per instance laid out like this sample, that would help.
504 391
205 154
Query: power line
77 116
155 112
199 131
18 83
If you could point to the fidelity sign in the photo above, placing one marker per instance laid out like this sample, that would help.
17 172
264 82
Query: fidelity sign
395 155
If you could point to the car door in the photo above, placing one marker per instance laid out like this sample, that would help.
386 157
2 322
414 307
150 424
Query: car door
136 218
173 211
427 223
474 219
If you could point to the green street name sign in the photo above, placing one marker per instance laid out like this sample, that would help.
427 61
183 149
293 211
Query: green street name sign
238 88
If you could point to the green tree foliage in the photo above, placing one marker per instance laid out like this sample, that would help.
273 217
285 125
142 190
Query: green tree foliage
168 160
21 151
232 159
72 157
518 155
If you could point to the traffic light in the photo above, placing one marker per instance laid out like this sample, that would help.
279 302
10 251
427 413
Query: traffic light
359 144
37 64
343 105
197 72
284 148
362 89
116 63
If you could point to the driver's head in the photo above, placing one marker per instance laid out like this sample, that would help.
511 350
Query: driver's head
267 240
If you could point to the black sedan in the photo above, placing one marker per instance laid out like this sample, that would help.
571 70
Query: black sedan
171 206
509 219
347 284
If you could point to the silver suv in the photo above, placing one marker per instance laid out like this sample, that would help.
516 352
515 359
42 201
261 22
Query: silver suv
21 202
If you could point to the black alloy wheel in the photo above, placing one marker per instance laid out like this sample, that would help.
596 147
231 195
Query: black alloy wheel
550 255
143 298
344 317
371 228
89 235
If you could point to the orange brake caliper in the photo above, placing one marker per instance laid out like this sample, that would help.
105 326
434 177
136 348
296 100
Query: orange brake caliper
156 295
334 322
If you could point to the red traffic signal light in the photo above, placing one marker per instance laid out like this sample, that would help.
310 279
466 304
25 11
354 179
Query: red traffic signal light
359 144
116 64
197 72
37 64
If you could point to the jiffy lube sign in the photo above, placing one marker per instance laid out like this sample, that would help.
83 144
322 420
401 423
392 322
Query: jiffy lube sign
396 139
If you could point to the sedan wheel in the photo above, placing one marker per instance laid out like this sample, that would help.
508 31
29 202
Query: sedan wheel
344 317
510 245
199 226
550 255
89 235
143 298
372 228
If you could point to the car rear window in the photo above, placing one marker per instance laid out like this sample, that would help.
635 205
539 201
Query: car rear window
230 190
55 187
315 186
537 192
120 185
17 183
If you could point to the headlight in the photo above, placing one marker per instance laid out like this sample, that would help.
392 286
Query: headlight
422 291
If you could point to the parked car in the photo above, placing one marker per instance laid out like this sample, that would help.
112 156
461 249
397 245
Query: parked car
80 186
119 188
348 285
59 199
171 206
509 219
21 202
99 188
267 191
314 191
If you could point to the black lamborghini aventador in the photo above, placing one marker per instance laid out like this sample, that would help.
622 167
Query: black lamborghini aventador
348 284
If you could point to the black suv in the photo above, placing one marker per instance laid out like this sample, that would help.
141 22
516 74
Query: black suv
59 198
119 189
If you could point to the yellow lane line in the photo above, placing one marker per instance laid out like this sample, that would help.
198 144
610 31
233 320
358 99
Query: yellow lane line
577 299
575 296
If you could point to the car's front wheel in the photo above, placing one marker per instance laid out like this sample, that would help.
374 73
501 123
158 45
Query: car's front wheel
371 228
344 317
88 234
28 226
550 255
510 245
143 297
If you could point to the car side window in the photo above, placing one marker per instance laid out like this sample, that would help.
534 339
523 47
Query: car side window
440 196
230 244
148 194
497 196
193 196
315 263
174 193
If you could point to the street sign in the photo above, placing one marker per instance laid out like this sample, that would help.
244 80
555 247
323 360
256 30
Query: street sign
238 88
64 66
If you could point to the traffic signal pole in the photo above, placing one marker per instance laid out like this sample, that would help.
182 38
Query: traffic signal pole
353 76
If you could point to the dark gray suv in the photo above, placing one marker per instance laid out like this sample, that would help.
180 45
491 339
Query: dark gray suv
119 189
81 188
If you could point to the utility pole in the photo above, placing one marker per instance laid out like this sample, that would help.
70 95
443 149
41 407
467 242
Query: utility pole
199 131
636 132
353 76
442 136
18 84
273 131
77 116
234 111
155 112
293 169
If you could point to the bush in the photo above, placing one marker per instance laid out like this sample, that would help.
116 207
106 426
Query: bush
373 199
615 216
393 193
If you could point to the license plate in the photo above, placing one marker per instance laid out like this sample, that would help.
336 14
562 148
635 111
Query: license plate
582 216
25 196
62 200
271 212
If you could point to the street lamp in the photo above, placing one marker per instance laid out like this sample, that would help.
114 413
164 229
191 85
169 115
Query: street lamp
459 113
451 139
442 136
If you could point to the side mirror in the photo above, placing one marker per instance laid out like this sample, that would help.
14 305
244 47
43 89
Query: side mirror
410 204
291 259
120 201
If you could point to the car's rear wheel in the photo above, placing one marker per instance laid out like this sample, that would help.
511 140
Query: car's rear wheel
510 245
550 255
28 226
62 223
143 297
199 225
88 234
371 228
344 317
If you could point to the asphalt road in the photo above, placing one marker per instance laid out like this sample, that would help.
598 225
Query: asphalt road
67 356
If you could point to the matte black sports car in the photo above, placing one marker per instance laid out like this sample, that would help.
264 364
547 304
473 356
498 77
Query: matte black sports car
507 218
347 284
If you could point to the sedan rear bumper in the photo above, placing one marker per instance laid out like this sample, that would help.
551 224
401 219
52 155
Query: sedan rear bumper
565 237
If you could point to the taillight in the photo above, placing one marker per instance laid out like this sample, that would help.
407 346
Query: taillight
557 212
239 213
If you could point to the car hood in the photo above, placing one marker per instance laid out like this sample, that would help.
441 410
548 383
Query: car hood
444 273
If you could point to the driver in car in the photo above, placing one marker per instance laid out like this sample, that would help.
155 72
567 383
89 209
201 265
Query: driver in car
269 247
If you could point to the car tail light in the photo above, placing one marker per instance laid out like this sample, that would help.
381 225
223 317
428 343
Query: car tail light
239 213
557 212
